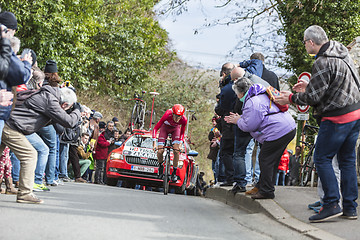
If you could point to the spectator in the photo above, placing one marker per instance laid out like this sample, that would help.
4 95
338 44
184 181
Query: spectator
126 135
5 172
40 108
267 75
101 155
116 123
268 125
294 167
94 126
225 105
283 168
84 153
214 138
109 131
116 143
333 90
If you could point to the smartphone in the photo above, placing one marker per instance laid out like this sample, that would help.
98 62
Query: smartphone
24 52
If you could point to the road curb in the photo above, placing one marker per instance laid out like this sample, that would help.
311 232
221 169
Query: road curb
270 208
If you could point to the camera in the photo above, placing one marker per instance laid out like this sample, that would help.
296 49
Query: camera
24 52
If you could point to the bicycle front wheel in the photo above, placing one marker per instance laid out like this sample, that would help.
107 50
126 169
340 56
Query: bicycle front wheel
306 171
166 174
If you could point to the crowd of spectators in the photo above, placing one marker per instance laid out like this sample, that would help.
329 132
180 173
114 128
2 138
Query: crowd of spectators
47 137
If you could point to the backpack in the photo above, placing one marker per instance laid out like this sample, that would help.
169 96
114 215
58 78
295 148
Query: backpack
272 92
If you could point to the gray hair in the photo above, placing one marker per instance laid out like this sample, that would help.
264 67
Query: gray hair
242 85
257 55
316 34
67 96
15 44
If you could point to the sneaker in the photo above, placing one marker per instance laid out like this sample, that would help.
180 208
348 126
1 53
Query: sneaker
66 179
326 213
80 180
315 204
54 184
227 184
237 188
29 198
252 191
40 188
349 215
217 185
59 181
317 209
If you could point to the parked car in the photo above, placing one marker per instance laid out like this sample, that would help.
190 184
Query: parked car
135 163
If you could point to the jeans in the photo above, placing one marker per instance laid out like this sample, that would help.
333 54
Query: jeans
2 122
57 165
43 153
48 135
64 158
15 172
250 170
219 169
280 173
338 139
240 145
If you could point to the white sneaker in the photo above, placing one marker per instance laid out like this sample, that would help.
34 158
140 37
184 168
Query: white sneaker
59 182
217 185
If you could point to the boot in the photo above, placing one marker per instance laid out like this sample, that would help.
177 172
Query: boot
10 186
1 189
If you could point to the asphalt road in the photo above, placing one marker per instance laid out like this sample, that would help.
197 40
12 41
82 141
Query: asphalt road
87 211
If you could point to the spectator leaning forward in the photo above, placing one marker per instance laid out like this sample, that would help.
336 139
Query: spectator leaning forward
31 113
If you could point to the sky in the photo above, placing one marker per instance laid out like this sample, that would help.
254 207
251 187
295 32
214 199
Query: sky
212 46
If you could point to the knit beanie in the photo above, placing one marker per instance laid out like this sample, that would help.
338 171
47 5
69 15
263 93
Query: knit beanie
50 67
9 20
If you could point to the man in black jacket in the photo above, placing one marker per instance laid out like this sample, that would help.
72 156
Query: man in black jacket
227 98
267 75
33 111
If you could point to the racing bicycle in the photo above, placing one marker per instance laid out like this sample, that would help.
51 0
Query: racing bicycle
308 166
137 119
166 179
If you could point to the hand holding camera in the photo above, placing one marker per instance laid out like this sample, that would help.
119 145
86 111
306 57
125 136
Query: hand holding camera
26 55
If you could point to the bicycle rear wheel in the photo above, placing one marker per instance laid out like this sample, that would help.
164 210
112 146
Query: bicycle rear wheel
306 171
166 174
134 117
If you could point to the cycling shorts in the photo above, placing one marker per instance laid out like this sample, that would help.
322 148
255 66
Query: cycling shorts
165 130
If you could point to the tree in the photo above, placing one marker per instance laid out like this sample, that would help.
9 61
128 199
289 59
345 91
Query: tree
107 44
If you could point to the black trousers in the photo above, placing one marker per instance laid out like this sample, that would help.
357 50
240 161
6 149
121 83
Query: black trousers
269 159
100 171
74 159
226 156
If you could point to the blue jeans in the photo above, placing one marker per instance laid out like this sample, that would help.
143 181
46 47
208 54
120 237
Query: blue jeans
2 122
280 173
15 172
64 158
48 135
43 153
250 170
338 139
57 166
240 145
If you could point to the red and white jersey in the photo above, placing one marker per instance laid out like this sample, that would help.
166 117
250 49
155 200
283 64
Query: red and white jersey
167 119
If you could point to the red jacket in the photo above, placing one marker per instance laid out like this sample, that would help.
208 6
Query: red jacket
284 161
101 151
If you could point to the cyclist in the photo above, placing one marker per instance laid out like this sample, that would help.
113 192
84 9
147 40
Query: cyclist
170 122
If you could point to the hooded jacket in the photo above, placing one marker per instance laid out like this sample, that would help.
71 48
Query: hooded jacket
264 123
333 89
39 110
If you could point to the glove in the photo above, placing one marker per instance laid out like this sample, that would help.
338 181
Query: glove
77 106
